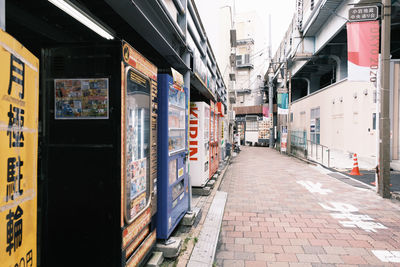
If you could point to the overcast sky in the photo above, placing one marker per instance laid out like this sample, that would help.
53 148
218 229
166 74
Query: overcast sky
281 14
281 11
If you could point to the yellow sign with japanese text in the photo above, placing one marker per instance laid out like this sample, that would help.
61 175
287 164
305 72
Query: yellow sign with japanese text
19 91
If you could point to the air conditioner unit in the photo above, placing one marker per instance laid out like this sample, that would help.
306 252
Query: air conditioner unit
232 115
243 60
232 59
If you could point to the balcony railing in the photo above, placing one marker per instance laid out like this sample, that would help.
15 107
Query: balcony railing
245 65
245 41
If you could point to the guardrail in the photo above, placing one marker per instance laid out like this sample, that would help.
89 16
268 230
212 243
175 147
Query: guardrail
318 153
300 146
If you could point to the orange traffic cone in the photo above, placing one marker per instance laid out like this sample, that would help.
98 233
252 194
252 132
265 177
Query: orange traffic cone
355 170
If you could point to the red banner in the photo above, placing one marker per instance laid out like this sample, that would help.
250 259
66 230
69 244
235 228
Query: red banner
363 50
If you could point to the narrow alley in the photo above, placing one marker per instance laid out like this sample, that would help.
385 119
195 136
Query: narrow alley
282 211
121 123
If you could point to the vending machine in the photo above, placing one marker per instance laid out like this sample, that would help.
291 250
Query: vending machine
214 147
199 136
221 137
99 155
139 112
172 186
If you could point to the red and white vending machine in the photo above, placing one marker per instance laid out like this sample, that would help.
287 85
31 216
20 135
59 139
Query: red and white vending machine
214 147
199 133
221 137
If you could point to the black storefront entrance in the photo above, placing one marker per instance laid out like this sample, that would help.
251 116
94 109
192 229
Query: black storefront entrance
81 199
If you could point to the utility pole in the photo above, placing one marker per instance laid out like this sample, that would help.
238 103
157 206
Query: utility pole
270 87
289 128
284 117
384 125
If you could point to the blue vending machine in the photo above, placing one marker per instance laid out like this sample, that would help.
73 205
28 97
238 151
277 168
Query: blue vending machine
173 175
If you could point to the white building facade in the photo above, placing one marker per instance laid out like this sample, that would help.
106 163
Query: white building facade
251 52
326 109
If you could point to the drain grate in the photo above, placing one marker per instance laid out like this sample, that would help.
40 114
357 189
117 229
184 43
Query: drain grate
347 180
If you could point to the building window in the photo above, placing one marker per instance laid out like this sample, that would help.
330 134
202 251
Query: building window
315 125
239 60
291 117
373 121
247 59
312 5
241 99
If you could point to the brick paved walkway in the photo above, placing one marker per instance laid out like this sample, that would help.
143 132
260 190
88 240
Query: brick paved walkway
280 213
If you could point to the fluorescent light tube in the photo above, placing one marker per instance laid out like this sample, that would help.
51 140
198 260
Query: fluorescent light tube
82 17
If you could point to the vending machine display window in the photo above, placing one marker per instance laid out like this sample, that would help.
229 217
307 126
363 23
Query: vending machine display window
172 172
176 120
137 104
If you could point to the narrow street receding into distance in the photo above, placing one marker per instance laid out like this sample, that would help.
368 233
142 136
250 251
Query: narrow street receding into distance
282 211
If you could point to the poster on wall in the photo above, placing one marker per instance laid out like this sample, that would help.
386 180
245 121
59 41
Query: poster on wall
19 93
81 98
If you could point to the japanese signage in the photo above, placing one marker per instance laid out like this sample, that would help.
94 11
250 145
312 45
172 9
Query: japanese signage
363 13
222 131
19 71
221 109
363 50
81 98
299 5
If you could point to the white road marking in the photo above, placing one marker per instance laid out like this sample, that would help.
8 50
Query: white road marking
387 256
314 188
344 211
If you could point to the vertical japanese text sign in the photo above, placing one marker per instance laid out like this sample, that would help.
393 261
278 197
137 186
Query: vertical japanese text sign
19 74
